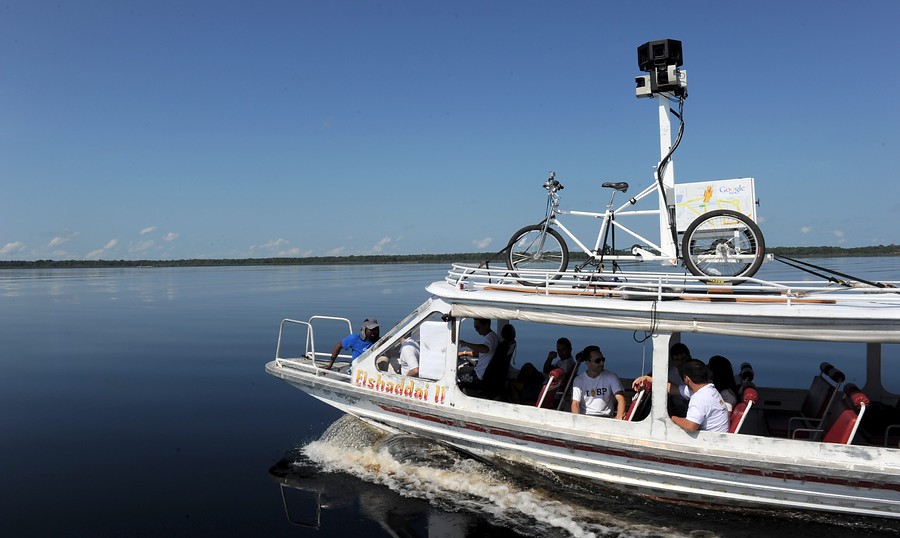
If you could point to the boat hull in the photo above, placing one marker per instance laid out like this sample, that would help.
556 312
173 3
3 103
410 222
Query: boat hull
777 475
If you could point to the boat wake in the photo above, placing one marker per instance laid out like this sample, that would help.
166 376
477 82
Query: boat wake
416 467
437 491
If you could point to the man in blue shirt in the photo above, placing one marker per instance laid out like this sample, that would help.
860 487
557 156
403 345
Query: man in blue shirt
357 343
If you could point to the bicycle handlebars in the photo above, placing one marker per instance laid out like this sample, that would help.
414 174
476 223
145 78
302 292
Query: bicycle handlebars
551 184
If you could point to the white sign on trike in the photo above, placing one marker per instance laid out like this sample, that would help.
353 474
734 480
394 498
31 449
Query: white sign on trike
695 199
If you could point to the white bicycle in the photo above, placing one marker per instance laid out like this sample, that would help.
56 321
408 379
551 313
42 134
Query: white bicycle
719 243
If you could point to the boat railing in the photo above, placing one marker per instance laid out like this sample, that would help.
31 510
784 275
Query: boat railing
310 358
654 285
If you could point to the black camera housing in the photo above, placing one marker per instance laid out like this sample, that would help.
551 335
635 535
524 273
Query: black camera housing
661 53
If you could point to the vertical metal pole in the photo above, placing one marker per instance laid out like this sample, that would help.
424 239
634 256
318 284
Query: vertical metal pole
668 180
659 395
873 388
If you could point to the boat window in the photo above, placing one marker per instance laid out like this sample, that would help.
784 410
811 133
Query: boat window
890 367
804 387
525 378
782 363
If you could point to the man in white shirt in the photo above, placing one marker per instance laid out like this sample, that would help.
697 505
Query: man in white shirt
598 392
564 354
409 358
706 410
483 351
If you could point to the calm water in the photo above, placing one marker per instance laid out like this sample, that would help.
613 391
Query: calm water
134 402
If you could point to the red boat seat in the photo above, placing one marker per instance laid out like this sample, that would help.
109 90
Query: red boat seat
640 404
841 425
546 398
844 428
742 409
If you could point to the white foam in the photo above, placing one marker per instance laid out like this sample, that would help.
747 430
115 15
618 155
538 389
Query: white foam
469 485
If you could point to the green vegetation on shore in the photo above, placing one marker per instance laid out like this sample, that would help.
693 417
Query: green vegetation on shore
466 257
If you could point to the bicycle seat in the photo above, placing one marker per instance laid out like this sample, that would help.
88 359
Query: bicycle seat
620 186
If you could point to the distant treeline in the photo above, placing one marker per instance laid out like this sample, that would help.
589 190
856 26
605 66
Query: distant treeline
477 257
835 252
466 257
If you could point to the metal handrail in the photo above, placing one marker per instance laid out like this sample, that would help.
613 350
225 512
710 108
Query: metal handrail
310 352
653 285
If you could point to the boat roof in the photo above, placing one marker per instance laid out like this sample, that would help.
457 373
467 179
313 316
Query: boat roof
667 302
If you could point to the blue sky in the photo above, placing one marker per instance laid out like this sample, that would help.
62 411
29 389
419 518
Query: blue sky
168 130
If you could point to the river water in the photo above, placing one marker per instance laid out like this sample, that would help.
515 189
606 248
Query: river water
134 402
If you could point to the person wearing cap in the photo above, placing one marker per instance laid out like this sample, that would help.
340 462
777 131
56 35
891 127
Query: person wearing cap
594 391
357 343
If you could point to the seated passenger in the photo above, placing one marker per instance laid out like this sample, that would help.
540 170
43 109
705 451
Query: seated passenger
529 381
723 378
409 357
497 372
598 392
561 358
471 376
357 343
677 401
706 409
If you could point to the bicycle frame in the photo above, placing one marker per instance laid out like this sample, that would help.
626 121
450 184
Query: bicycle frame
668 256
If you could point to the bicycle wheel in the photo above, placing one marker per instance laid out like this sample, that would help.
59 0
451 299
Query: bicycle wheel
525 252
723 243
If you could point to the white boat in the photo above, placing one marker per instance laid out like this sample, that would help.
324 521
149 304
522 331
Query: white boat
791 448
653 456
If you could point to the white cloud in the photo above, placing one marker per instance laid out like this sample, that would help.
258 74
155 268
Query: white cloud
839 233
379 246
806 229
483 243
169 237
9 248
141 246
94 254
60 239
336 251
148 230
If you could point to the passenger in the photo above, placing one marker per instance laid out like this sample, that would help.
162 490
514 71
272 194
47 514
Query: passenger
706 410
678 355
409 357
677 401
598 392
483 351
723 378
564 355
496 374
357 343
528 383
